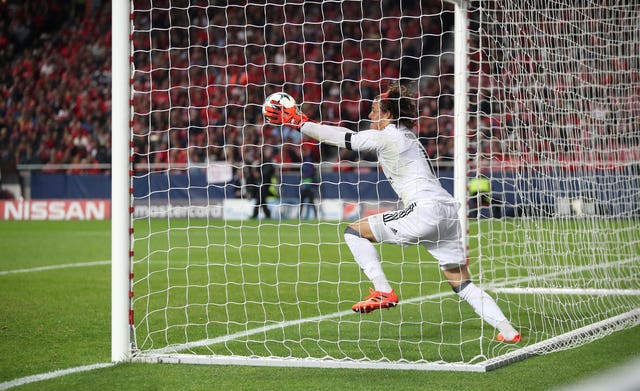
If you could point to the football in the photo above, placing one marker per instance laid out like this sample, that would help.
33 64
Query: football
282 98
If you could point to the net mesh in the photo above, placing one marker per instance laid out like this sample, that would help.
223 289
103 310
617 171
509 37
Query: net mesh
214 275
556 90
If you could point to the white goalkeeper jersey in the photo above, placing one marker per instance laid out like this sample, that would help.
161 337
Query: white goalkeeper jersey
403 159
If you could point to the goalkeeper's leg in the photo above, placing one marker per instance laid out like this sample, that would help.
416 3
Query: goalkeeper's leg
359 238
482 303
366 255
446 246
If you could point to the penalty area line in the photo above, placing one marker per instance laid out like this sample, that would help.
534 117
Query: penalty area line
53 267
52 375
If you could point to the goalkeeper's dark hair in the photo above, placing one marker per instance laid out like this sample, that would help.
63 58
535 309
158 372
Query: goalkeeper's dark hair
400 102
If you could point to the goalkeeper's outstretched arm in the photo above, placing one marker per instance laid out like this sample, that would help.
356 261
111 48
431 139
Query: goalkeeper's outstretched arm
292 117
333 135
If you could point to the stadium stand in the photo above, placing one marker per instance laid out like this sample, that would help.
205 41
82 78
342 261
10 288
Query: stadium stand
54 98
55 92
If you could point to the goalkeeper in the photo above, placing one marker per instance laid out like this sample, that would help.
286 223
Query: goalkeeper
430 214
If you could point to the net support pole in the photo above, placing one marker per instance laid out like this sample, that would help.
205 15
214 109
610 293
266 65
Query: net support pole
120 182
460 99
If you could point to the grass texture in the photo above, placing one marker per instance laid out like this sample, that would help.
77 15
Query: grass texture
58 317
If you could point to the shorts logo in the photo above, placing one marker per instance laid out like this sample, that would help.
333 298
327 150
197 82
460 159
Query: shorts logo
391 216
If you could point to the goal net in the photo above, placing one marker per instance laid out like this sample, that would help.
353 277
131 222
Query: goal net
555 131
552 163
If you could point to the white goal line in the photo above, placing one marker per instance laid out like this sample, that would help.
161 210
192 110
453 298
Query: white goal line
53 267
569 291
497 286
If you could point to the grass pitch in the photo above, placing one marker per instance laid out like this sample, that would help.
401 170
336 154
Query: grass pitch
285 289
55 314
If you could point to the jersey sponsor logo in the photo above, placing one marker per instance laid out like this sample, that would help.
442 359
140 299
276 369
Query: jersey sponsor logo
399 214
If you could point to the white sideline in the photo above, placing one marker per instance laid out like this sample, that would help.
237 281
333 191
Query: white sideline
61 372
53 267
50 375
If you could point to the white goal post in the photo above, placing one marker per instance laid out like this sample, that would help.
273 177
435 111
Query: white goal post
121 329
528 109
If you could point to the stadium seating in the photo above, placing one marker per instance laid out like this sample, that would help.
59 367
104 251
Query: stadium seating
54 98
55 65
55 95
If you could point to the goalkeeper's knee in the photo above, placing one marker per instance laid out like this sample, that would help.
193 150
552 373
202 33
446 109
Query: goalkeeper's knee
350 231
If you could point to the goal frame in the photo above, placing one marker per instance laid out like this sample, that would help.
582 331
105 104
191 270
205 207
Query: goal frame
121 186
122 330
121 225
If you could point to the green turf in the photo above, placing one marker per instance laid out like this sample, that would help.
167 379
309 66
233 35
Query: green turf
59 318
198 280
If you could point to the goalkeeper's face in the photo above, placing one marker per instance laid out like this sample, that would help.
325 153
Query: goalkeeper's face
378 120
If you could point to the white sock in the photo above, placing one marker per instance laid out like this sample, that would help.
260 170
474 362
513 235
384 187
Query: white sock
488 310
366 256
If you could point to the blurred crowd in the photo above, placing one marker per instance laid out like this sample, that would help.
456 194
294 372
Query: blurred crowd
201 73
55 83
201 76
561 89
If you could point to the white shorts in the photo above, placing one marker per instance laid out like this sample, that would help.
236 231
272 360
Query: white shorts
432 224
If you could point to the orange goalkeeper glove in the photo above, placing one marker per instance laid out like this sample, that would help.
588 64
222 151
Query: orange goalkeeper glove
276 114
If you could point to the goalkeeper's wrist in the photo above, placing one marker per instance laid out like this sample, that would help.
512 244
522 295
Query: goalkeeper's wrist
298 120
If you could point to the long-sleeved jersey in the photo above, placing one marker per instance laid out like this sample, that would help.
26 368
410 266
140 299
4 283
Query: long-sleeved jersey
400 154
